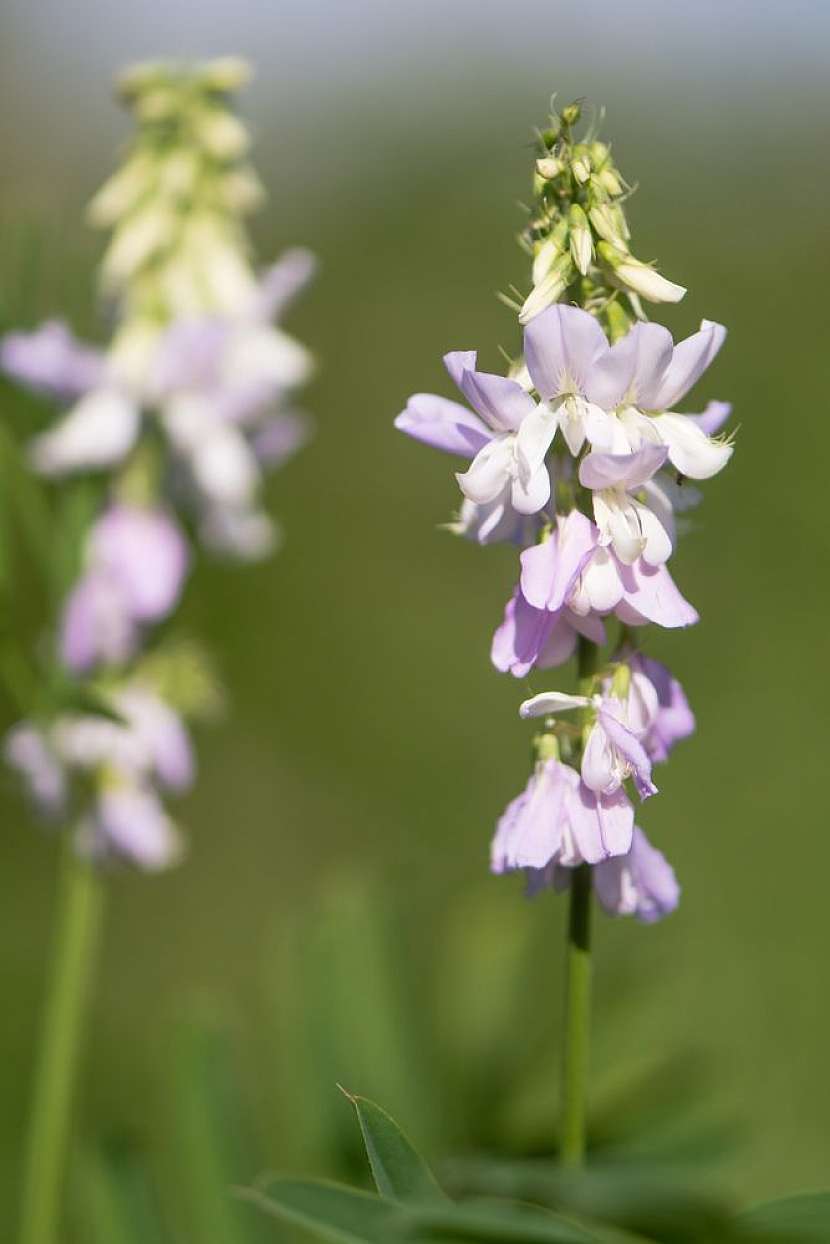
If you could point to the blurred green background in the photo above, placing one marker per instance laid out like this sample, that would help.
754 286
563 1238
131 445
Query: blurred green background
340 827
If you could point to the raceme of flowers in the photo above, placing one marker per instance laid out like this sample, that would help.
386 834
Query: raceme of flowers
182 413
580 457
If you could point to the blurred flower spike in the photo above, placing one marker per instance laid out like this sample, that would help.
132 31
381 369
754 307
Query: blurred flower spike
181 414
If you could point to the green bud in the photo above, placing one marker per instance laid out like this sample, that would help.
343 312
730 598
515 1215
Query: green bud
621 681
617 320
571 113
599 153
550 135
546 746
609 223
549 290
549 167
581 164
638 276
581 242
608 179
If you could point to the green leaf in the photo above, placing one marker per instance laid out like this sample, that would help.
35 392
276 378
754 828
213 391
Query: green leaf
343 1215
332 1211
399 1171
801 1219
493 1222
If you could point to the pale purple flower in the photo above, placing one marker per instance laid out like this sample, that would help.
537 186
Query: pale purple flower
631 528
557 819
612 751
640 884
657 709
507 434
562 346
136 564
128 821
27 749
568 582
51 360
623 396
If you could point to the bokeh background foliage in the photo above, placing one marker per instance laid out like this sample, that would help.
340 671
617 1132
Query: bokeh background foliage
333 921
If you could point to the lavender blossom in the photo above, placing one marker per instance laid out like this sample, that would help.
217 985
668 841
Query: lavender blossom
640 884
136 562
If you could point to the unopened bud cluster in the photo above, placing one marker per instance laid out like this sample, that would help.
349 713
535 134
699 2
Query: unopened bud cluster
578 236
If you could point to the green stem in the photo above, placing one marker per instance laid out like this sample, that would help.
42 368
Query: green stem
80 903
578 984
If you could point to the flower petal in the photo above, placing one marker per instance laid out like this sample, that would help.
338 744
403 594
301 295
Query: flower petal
599 470
712 419
629 746
561 346
691 451
548 702
689 361
501 402
443 424
489 472
99 431
550 569
650 594
632 369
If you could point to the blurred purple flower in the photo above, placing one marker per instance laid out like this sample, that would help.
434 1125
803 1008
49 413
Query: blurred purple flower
557 819
136 564
51 360
641 883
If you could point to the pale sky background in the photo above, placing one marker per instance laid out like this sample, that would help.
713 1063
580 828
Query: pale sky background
397 63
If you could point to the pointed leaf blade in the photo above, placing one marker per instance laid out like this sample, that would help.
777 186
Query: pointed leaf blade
399 1171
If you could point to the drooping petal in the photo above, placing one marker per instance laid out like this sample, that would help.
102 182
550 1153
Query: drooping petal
602 824
641 884
550 569
673 718
443 424
691 451
650 595
630 747
99 431
561 347
689 361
